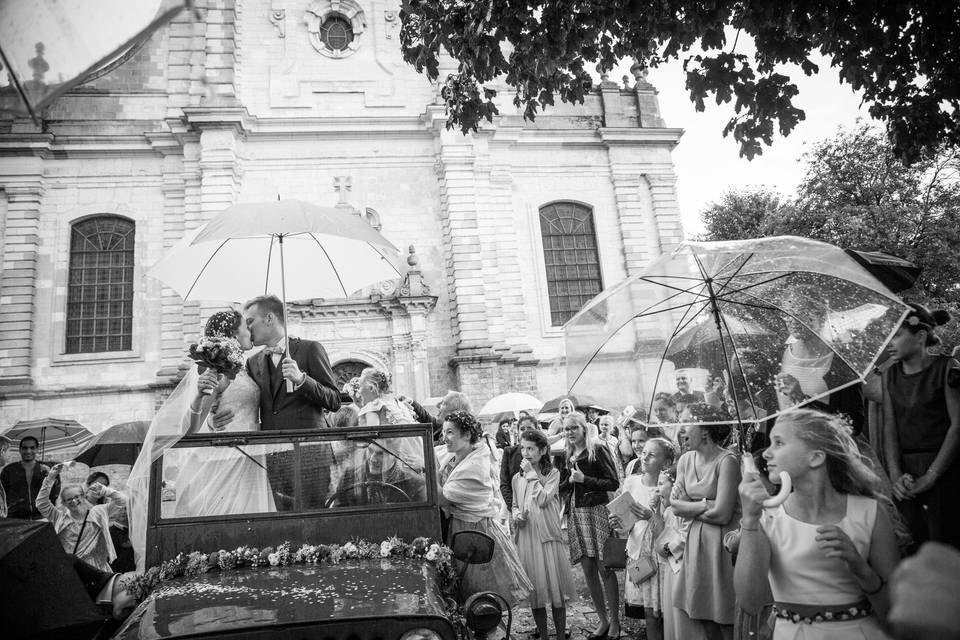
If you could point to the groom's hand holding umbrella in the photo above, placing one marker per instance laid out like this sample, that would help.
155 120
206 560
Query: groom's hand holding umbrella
291 372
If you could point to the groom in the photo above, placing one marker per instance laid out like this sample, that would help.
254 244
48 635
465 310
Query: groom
307 368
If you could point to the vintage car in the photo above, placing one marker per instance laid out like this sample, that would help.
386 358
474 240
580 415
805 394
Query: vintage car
222 491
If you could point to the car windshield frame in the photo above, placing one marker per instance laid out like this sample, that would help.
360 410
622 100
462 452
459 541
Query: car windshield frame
379 521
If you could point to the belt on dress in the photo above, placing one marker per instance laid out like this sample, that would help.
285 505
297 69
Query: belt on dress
810 613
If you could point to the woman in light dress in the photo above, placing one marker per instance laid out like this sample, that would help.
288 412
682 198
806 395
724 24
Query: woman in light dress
224 481
642 600
705 494
378 403
541 544
468 495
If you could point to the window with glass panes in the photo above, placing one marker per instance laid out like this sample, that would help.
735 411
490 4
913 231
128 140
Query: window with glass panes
100 286
571 258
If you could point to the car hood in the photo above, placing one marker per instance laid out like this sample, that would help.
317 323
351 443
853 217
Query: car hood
300 594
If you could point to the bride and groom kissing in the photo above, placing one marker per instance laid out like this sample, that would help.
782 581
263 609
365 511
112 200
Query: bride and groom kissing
259 399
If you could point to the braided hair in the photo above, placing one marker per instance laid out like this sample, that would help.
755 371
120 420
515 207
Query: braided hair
466 424
223 323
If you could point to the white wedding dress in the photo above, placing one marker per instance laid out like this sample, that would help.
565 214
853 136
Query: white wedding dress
224 481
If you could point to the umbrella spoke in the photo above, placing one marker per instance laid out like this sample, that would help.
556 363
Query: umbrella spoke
200 273
332 266
384 258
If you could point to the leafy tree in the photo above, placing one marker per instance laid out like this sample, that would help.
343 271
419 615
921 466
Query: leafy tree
856 194
902 56
744 213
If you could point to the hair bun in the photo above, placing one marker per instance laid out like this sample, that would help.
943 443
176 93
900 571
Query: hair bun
940 316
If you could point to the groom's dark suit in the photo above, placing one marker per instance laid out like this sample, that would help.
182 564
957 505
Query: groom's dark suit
303 408
300 409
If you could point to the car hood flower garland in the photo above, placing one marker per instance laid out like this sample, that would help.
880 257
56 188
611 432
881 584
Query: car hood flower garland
197 563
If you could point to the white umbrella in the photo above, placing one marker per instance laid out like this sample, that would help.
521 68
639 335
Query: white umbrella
302 250
512 404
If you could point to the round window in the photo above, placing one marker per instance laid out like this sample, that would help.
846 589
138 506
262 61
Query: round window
336 32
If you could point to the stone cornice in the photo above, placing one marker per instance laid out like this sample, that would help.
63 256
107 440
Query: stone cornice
357 308
32 393
634 136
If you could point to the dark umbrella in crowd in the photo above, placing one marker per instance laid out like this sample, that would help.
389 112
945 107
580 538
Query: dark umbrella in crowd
40 591
120 444
896 273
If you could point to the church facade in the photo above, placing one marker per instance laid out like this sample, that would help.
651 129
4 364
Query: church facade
505 232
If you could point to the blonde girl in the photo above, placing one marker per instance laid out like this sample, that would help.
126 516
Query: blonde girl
829 550
643 599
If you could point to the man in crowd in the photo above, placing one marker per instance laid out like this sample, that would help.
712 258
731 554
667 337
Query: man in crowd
21 482
453 401
684 396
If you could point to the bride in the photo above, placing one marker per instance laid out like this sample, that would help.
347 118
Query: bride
224 481
211 480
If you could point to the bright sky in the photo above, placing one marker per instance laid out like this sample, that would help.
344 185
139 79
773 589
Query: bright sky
707 163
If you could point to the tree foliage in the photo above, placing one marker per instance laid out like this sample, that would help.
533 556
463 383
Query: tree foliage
902 56
857 195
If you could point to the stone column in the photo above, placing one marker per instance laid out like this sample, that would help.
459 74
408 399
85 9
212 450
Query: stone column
24 188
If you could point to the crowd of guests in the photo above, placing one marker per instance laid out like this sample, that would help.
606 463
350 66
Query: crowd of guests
702 557
696 552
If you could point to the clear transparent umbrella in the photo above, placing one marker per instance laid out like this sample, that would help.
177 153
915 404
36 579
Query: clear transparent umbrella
756 326
49 46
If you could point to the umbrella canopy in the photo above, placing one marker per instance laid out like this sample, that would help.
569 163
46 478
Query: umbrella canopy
50 46
39 583
580 401
120 444
287 246
818 317
54 434
507 406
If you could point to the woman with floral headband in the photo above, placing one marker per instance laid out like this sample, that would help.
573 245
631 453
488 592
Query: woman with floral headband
921 409
468 496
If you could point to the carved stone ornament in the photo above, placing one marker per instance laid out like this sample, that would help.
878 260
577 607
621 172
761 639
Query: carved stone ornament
320 11
278 17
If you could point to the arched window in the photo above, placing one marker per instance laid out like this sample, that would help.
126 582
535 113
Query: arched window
100 293
570 255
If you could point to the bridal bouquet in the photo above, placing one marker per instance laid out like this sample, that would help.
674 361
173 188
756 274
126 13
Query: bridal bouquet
219 353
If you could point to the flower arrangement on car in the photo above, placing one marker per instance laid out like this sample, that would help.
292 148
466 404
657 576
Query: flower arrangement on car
219 353
197 563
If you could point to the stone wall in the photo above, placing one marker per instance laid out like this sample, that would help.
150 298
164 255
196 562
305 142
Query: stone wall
243 107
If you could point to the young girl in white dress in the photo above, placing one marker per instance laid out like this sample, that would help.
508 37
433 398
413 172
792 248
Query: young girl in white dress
642 599
830 548
540 542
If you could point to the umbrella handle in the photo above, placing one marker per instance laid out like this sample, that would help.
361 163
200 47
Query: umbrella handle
786 484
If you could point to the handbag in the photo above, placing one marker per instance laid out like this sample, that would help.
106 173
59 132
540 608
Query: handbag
615 553
645 566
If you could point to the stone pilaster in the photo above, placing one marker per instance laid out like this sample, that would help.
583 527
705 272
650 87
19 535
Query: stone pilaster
462 243
18 275
219 48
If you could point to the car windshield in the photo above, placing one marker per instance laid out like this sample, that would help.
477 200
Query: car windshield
248 476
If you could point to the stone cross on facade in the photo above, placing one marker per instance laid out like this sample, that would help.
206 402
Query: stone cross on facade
341 184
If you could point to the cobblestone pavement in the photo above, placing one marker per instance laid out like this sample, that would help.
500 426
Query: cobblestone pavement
581 619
